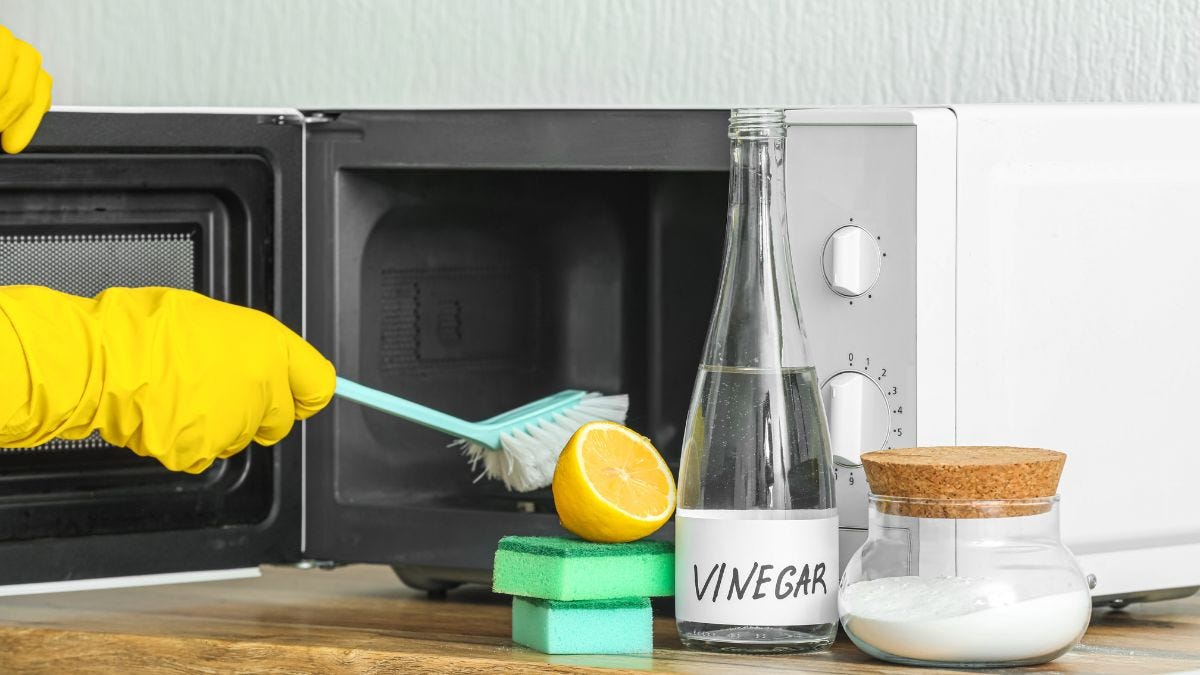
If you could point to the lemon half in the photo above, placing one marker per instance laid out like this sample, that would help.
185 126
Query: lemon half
611 485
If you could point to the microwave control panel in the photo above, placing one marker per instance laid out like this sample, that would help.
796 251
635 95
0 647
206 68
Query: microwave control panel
851 193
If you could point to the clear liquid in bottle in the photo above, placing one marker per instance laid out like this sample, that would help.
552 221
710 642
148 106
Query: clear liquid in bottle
756 528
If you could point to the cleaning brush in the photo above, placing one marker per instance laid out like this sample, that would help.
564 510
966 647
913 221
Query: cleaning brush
519 447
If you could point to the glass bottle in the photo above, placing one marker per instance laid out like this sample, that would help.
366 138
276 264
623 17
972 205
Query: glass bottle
756 530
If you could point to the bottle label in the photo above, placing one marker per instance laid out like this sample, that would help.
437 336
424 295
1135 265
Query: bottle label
756 567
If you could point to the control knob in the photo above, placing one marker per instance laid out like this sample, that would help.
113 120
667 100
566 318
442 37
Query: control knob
851 260
858 416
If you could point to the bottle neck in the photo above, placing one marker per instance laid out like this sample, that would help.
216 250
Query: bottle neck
757 321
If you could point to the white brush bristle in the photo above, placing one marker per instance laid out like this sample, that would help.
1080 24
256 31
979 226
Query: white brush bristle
527 458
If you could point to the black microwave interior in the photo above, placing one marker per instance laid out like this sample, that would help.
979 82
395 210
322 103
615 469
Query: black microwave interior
481 290
476 261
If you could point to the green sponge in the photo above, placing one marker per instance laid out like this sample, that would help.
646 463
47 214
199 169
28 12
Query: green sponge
557 568
623 626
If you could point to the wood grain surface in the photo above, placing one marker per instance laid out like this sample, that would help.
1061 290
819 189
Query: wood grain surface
361 619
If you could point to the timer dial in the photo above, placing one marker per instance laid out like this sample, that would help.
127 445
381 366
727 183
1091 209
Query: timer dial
858 416
851 260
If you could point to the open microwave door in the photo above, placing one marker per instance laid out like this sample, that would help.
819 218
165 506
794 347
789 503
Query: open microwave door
208 201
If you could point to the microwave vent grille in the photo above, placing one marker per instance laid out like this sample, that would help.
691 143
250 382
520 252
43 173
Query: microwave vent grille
443 320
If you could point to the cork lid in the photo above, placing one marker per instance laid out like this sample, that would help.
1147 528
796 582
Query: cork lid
940 482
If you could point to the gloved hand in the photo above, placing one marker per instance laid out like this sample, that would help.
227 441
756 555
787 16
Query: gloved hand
24 92
170 374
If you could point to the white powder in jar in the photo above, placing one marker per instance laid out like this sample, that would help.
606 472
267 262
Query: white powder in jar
963 620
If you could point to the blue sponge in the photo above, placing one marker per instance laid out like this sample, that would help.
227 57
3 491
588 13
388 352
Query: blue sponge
623 626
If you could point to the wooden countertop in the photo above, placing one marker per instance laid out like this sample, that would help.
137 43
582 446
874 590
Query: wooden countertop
361 619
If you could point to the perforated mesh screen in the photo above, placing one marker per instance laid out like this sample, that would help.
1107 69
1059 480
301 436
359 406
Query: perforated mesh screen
85 264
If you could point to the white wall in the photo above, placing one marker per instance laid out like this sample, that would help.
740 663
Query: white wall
428 53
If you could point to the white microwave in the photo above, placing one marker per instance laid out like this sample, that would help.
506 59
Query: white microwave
1015 275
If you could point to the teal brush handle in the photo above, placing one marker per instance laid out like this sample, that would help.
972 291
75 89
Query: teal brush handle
415 412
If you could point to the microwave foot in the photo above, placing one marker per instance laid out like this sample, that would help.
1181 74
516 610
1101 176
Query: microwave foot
435 581
308 564
1119 602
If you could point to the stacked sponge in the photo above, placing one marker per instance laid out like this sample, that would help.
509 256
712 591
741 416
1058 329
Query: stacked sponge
579 597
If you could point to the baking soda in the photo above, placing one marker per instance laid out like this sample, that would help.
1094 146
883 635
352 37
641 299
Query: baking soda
958 619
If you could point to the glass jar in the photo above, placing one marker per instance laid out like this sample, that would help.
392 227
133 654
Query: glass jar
964 583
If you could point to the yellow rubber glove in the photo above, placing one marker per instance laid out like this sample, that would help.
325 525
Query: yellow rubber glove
170 374
24 92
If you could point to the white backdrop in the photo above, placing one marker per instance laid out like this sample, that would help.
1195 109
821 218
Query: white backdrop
433 53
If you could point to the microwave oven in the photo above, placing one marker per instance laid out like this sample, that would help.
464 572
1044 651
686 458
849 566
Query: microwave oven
969 275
